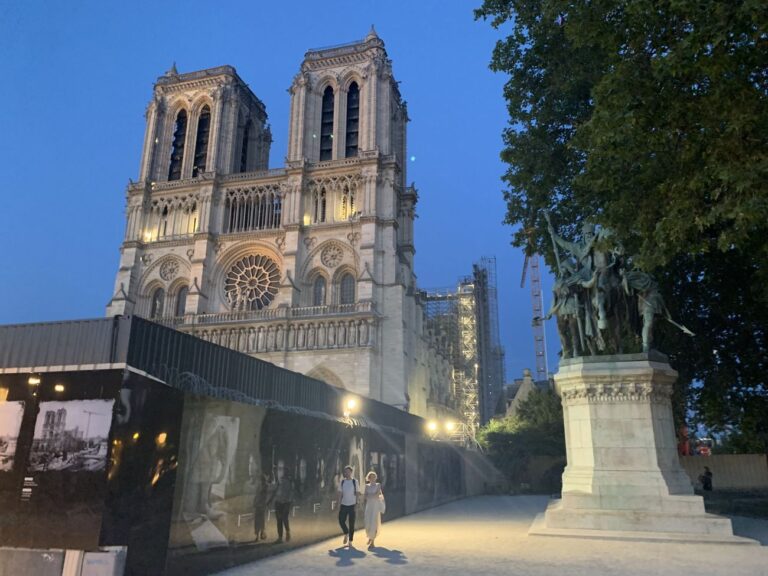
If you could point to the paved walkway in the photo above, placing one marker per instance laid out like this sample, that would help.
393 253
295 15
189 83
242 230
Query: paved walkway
488 535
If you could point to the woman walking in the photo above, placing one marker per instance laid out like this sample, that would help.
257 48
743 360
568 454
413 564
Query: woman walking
374 504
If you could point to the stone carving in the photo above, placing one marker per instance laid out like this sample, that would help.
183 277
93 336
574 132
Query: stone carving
353 237
252 283
146 259
602 304
190 253
332 255
169 269
280 242
310 241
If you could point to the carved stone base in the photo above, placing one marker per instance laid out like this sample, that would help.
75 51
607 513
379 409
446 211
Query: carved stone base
623 471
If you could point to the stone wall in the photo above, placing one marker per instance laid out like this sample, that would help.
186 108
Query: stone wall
730 471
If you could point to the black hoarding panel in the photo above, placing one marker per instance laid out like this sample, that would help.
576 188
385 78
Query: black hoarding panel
52 492
253 481
144 448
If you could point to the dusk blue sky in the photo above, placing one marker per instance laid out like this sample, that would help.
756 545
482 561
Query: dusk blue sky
75 78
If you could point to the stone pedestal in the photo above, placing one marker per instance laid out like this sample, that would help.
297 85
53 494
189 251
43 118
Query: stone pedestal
623 477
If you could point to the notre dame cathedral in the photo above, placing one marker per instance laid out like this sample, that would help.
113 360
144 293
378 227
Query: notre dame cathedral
309 266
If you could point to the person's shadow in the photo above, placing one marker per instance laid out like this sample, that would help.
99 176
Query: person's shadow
391 556
346 556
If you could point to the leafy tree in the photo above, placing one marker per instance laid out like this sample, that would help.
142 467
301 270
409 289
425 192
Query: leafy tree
536 430
651 117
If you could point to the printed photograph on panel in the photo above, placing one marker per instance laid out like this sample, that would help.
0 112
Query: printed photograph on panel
219 474
71 436
11 414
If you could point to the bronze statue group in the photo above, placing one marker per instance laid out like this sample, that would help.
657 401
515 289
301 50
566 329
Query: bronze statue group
602 303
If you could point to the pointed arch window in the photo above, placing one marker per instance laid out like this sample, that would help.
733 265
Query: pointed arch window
318 210
201 142
158 300
177 148
162 230
347 289
244 146
256 208
181 301
353 120
318 291
326 125
347 203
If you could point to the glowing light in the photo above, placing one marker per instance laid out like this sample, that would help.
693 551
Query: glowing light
450 425
161 438
413 158
136 435
59 387
307 220
432 426
147 236
33 380
350 405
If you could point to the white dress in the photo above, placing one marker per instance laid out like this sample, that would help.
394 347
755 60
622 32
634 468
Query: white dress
372 510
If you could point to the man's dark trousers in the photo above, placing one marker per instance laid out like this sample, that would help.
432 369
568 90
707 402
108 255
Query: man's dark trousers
347 512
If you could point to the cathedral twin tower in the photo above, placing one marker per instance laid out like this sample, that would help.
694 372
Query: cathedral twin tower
309 266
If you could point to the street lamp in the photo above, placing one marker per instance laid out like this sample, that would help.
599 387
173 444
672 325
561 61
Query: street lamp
437 429
350 406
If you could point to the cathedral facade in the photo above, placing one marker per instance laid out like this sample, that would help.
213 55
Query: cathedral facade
309 266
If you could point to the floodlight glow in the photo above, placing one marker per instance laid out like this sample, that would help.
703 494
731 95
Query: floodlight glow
161 438
59 387
33 380
450 425
432 426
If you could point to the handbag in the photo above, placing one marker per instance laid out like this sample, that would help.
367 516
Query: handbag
382 504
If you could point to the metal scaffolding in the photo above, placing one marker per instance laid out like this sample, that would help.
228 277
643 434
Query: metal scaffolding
466 325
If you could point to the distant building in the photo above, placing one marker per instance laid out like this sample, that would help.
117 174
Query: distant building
520 389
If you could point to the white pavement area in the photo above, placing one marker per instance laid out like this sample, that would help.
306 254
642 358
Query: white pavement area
488 535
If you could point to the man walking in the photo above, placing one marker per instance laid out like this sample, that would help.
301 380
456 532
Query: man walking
348 494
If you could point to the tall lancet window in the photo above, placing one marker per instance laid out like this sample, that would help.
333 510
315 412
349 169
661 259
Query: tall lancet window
177 149
353 119
319 206
326 126
347 203
158 300
318 292
244 147
347 289
181 301
201 142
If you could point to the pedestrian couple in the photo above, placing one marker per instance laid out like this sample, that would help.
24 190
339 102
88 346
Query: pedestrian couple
374 506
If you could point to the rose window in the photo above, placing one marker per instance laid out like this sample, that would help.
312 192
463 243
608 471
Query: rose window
169 269
331 256
252 283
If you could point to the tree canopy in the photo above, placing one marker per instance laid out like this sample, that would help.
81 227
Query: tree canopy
651 118
536 430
